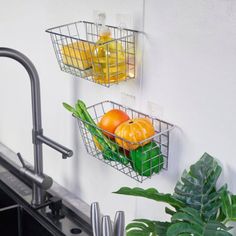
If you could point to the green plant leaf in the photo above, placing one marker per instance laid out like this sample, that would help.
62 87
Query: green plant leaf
221 216
153 194
161 227
188 221
197 187
144 227
169 211
141 227
228 206
200 209
181 228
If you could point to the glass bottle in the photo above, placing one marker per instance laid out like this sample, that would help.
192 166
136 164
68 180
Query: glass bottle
109 62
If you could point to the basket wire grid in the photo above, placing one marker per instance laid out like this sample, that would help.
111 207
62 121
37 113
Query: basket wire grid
159 142
80 53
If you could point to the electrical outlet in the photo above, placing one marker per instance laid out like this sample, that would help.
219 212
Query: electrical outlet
155 110
128 100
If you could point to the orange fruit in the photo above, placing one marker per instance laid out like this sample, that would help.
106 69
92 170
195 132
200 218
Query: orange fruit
111 120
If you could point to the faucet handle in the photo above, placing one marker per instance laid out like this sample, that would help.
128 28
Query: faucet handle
21 160
43 181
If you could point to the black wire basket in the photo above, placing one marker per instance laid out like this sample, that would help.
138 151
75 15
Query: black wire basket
139 160
80 52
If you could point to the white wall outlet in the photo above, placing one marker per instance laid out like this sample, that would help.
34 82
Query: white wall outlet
128 100
124 20
155 110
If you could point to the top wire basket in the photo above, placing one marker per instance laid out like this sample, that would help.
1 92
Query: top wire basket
82 52
137 159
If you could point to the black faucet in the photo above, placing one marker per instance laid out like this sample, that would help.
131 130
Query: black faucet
40 181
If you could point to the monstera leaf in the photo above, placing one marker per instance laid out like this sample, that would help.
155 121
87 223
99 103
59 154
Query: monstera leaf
153 194
143 227
200 209
228 206
189 222
197 187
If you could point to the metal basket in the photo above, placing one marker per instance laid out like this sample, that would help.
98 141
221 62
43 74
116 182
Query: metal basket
158 144
79 52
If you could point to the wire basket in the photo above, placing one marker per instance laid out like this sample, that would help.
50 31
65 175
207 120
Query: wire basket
80 51
148 157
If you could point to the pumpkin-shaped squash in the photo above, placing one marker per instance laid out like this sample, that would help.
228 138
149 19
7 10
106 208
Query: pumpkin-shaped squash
134 131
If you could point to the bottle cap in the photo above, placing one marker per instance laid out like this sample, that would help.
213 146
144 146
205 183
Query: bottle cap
104 30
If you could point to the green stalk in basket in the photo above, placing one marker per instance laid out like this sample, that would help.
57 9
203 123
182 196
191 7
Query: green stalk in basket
92 127
71 109
78 112
110 150
111 153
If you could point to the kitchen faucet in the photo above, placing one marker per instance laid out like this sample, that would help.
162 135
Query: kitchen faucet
41 182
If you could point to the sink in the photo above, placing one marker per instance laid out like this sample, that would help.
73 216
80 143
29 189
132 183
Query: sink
18 217
5 200
15 221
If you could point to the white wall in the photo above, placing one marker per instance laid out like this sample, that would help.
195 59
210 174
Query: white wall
188 70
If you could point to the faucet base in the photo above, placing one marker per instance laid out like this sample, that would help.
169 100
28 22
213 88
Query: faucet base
59 220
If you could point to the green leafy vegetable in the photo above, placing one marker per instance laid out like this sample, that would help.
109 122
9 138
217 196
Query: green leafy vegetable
110 149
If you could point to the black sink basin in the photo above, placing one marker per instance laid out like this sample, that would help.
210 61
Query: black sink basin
5 200
18 217
15 221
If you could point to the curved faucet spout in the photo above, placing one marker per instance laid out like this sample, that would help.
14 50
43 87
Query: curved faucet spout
34 79
36 113
37 133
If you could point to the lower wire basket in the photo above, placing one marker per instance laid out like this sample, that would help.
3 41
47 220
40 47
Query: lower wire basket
138 160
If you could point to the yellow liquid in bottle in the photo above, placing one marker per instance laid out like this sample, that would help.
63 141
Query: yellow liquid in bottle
108 60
